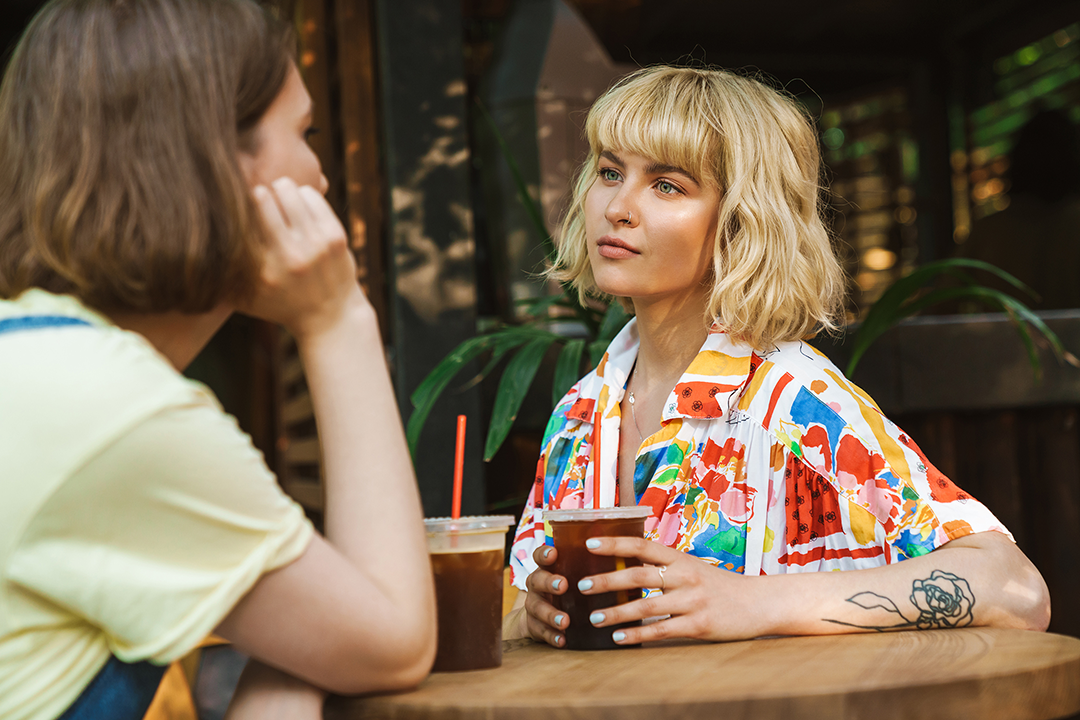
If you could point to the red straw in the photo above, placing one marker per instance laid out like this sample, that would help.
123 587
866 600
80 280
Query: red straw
459 464
596 461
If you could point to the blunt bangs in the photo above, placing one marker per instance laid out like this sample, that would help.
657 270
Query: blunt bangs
661 116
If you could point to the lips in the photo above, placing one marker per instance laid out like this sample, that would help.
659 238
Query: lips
614 248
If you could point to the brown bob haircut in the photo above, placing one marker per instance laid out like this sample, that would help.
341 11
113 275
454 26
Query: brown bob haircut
121 123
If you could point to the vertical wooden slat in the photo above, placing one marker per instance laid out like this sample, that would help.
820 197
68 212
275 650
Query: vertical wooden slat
360 133
315 62
989 466
1053 482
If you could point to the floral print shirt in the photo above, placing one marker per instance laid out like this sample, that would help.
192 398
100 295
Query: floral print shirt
765 463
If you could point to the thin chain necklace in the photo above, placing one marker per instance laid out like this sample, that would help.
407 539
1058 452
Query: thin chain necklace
633 407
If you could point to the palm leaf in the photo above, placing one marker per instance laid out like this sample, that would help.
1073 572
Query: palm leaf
514 385
567 369
1017 311
887 310
429 390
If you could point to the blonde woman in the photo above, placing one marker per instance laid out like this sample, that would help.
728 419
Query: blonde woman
699 207
157 178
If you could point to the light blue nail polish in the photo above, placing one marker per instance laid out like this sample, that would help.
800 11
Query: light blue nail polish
547 551
559 620
618 636
596 618
556 584
592 543
558 639
584 585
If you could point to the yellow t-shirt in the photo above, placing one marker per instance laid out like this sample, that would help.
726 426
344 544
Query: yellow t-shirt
134 513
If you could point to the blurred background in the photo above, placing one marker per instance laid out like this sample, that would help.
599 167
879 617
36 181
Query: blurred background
948 129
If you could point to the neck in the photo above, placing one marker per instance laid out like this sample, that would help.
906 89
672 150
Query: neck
177 336
671 335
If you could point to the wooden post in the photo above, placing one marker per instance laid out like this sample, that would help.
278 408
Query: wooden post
364 179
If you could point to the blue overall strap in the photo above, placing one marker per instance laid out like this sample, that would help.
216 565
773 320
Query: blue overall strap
121 691
37 322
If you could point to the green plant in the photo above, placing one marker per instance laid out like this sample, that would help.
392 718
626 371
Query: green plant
525 343
909 295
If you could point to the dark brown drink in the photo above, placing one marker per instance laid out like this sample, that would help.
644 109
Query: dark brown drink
576 562
468 591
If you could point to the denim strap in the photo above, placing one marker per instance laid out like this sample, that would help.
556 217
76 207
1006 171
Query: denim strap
121 691
38 322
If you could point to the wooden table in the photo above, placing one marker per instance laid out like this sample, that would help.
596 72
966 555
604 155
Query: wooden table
954 674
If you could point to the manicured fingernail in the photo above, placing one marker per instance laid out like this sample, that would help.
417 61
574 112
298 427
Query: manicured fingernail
592 543
558 639
559 620
618 636
547 551
584 585
596 618
556 583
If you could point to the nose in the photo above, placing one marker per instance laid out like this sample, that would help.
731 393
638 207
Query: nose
621 209
324 184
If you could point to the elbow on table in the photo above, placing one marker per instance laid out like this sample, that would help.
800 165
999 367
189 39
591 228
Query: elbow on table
1026 598
403 663
1037 615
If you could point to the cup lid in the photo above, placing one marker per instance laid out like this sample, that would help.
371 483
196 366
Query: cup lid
613 513
471 523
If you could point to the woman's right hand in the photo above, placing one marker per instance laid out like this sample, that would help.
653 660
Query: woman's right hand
308 278
544 622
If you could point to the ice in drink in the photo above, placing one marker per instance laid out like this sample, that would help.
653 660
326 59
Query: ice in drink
569 530
467 562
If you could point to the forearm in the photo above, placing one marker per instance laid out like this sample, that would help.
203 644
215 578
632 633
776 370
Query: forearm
981 580
373 513
267 694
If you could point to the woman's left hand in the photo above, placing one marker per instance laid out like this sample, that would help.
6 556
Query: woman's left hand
701 600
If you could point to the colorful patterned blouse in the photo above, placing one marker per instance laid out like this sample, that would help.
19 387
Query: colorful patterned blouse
765 463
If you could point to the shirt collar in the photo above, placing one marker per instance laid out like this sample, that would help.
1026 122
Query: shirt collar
708 389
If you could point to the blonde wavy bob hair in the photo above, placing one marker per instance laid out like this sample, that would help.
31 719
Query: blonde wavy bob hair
775 275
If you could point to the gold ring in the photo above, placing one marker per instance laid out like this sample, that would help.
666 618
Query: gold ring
660 569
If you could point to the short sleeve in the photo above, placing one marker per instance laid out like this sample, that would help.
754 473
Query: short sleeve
158 537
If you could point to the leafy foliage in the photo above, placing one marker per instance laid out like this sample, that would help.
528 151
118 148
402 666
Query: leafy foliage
524 344
909 295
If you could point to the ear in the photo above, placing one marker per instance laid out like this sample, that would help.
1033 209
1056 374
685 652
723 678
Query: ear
249 167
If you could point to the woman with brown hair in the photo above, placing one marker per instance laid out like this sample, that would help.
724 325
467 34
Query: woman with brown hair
156 180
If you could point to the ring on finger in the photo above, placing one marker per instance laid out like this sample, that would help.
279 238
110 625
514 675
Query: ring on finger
660 569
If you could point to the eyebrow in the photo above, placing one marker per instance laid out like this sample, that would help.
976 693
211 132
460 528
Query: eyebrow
653 168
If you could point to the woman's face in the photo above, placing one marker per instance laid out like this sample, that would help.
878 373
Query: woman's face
281 140
650 228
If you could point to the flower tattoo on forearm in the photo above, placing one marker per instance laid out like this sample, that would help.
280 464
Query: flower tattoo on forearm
943 601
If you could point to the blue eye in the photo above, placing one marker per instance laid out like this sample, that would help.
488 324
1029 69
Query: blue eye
608 174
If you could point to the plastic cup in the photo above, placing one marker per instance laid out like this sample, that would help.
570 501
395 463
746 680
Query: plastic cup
467 561
569 530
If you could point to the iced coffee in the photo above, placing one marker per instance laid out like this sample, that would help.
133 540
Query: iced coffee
467 562
569 530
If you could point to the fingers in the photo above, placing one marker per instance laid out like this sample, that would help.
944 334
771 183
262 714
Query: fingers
270 210
545 556
295 208
545 622
541 581
646 550
645 576
681 626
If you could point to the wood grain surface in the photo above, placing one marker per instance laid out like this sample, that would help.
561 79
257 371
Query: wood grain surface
970 673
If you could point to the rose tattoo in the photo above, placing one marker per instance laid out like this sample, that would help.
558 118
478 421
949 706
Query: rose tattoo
943 600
